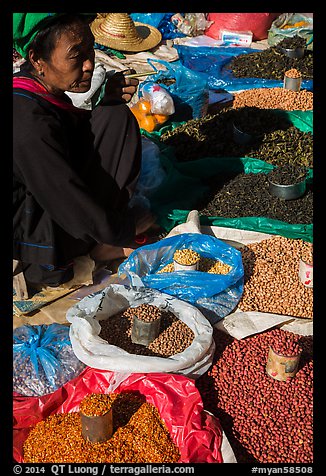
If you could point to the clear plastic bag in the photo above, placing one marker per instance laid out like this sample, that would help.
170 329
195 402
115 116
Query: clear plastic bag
43 359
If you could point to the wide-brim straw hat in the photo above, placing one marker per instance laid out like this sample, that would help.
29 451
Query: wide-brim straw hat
119 32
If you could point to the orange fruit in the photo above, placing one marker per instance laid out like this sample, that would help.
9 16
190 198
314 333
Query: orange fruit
144 105
161 118
148 123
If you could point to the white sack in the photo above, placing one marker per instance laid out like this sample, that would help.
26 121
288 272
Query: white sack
95 352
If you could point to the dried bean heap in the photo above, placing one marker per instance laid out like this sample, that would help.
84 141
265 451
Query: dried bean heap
287 175
271 281
274 98
279 142
186 256
206 265
247 195
147 312
95 404
139 435
293 73
307 254
265 420
286 346
174 335
272 62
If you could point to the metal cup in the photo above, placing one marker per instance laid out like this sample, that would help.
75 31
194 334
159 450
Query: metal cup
143 332
97 429
241 137
281 367
293 84
185 267
293 52
306 274
287 192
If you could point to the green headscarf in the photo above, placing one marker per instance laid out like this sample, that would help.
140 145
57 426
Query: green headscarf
27 25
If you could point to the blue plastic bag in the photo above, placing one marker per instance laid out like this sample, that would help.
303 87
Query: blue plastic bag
189 91
161 21
215 295
212 63
43 359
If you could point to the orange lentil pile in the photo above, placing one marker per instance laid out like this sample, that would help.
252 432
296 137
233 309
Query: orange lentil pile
139 435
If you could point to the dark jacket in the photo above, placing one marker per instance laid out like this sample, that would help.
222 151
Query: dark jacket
58 214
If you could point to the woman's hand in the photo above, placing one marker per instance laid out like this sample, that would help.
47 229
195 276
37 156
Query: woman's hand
119 88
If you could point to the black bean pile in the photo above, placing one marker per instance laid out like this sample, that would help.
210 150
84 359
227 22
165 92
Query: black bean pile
247 195
174 335
287 175
272 63
265 420
275 140
31 384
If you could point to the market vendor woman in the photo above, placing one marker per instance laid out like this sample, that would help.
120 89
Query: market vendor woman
74 170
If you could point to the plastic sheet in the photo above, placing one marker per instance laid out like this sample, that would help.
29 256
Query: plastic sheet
215 295
197 434
213 63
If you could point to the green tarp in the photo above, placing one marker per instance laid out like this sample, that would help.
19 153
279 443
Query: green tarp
183 186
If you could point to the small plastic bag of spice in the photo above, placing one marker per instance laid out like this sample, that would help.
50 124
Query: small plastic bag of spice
43 359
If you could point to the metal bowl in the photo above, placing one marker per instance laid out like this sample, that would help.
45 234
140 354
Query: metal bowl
293 52
287 192
241 137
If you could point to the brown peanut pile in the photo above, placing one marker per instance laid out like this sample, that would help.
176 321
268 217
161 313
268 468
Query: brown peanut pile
174 335
139 436
206 265
293 73
265 420
147 313
271 278
274 98
307 253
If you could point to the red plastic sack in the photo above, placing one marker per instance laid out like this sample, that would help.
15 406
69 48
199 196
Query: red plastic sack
257 23
197 434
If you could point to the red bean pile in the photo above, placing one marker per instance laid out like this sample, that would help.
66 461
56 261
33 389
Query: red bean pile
287 347
265 420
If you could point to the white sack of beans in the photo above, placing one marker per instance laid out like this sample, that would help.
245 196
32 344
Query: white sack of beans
92 350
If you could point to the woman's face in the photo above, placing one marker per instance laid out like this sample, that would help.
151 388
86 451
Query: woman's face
72 62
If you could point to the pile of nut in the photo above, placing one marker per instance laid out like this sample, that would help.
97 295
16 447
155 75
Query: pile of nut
139 436
186 256
174 335
205 265
271 278
274 98
265 420
147 313
293 73
286 346
307 253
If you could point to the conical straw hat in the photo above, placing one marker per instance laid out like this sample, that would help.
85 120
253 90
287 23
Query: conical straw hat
119 32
